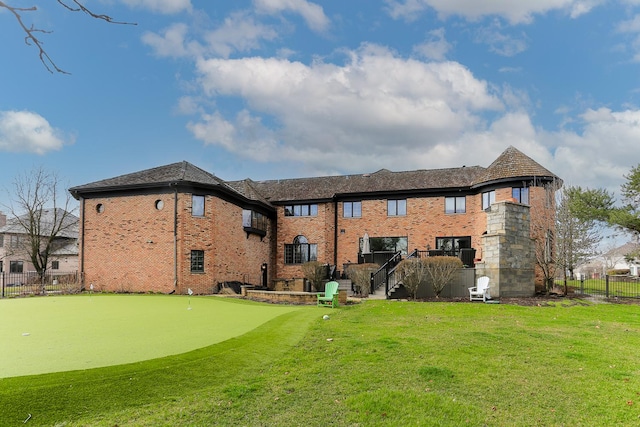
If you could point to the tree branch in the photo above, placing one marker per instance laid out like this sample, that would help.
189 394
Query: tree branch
31 32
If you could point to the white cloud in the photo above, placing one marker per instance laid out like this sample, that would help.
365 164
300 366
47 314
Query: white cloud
312 13
240 32
516 12
500 43
630 25
172 42
579 156
25 131
326 113
161 6
436 47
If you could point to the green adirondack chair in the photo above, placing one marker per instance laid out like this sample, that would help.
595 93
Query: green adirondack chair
330 296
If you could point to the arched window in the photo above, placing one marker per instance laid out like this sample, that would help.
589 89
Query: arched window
300 251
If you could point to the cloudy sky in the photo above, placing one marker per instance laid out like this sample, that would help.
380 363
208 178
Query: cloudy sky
270 89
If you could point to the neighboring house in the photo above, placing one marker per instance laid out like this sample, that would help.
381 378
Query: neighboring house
625 257
178 227
14 239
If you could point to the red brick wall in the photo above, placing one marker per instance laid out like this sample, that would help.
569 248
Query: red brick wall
129 247
425 220
230 254
317 229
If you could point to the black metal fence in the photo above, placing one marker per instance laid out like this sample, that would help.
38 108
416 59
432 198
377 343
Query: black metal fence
31 283
607 287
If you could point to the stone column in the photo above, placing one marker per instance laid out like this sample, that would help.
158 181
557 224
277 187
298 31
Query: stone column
509 257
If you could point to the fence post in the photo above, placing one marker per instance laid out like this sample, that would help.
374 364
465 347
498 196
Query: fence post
607 286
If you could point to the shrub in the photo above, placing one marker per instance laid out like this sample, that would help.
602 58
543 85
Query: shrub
412 272
440 271
360 275
619 272
315 272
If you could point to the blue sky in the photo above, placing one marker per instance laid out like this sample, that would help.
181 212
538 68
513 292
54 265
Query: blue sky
268 89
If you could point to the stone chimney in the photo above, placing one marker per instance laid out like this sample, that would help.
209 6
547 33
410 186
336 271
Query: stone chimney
3 219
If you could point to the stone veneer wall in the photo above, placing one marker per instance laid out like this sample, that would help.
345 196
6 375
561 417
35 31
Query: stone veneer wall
509 258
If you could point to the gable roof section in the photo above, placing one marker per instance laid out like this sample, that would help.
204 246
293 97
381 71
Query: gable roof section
512 164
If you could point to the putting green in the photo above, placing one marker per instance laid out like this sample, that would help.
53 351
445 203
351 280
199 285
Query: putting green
63 333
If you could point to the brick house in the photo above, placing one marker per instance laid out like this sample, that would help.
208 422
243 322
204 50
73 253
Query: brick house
176 227
14 240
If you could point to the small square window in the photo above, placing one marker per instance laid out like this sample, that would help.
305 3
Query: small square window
15 266
352 209
55 265
521 195
455 205
197 261
397 207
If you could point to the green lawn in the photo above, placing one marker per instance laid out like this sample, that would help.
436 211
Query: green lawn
62 333
625 289
378 363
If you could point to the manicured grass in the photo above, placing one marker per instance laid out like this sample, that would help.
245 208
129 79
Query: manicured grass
52 334
378 363
616 288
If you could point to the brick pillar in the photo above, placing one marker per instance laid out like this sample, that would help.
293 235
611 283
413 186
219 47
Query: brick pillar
508 256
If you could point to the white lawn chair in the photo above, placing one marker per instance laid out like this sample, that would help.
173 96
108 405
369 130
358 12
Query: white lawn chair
481 290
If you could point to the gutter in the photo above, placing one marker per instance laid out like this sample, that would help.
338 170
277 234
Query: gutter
175 234
81 224
335 231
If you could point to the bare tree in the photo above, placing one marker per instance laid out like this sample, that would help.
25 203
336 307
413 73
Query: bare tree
32 34
41 216
543 233
441 271
315 272
360 275
413 272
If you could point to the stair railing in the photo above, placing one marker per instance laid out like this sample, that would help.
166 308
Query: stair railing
381 276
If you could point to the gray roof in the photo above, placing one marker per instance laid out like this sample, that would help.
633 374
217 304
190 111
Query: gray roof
181 172
68 230
66 250
511 164
382 181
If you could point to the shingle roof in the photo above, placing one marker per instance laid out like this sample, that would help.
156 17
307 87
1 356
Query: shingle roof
323 188
183 172
511 164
